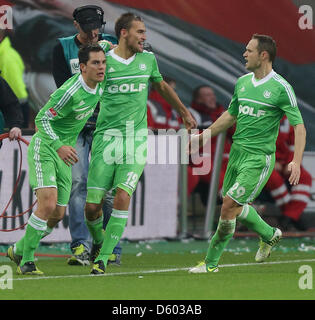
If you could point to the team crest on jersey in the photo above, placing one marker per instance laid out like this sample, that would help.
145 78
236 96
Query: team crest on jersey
142 66
111 69
242 89
267 94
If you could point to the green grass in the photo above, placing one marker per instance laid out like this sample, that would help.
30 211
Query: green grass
160 273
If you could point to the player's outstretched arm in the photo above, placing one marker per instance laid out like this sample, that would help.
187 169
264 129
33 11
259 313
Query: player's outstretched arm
294 166
225 121
168 93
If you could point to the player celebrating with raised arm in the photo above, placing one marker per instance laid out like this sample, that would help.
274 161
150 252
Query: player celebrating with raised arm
260 100
51 151
122 123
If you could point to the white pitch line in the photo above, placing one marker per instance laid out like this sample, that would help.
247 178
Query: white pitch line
155 271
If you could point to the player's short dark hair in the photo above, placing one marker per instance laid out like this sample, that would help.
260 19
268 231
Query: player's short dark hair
266 43
84 51
125 21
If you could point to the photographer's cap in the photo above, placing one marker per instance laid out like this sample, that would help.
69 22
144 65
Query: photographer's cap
89 17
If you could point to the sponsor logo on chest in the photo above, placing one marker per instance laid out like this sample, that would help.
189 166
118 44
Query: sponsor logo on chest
82 107
127 88
84 114
251 111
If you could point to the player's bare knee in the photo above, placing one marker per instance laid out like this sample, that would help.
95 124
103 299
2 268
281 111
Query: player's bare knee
121 200
47 208
46 202
59 213
92 211
227 212
230 209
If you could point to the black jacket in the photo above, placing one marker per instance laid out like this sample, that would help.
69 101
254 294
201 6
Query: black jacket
10 106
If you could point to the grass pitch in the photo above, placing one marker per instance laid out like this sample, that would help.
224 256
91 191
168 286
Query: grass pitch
158 271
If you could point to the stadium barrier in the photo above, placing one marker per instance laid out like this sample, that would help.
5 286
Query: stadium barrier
149 217
153 209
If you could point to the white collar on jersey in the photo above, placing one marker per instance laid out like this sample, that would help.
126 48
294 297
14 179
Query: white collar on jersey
120 59
257 83
86 87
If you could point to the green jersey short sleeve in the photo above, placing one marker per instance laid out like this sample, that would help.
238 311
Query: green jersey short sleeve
60 121
123 109
233 106
258 106
287 101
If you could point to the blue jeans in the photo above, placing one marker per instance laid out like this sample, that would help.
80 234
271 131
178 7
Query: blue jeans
78 229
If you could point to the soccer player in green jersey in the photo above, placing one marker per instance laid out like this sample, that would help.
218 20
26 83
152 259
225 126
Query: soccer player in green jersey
122 126
51 151
260 100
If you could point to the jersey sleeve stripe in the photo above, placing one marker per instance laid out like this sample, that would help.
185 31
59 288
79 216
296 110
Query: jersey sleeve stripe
65 98
67 95
48 129
289 91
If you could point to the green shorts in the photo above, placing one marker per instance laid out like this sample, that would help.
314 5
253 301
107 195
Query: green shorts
46 170
116 162
246 175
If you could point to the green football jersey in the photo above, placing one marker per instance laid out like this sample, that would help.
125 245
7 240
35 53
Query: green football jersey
258 106
123 108
60 121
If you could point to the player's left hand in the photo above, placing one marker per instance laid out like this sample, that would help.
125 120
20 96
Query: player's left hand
15 133
295 172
